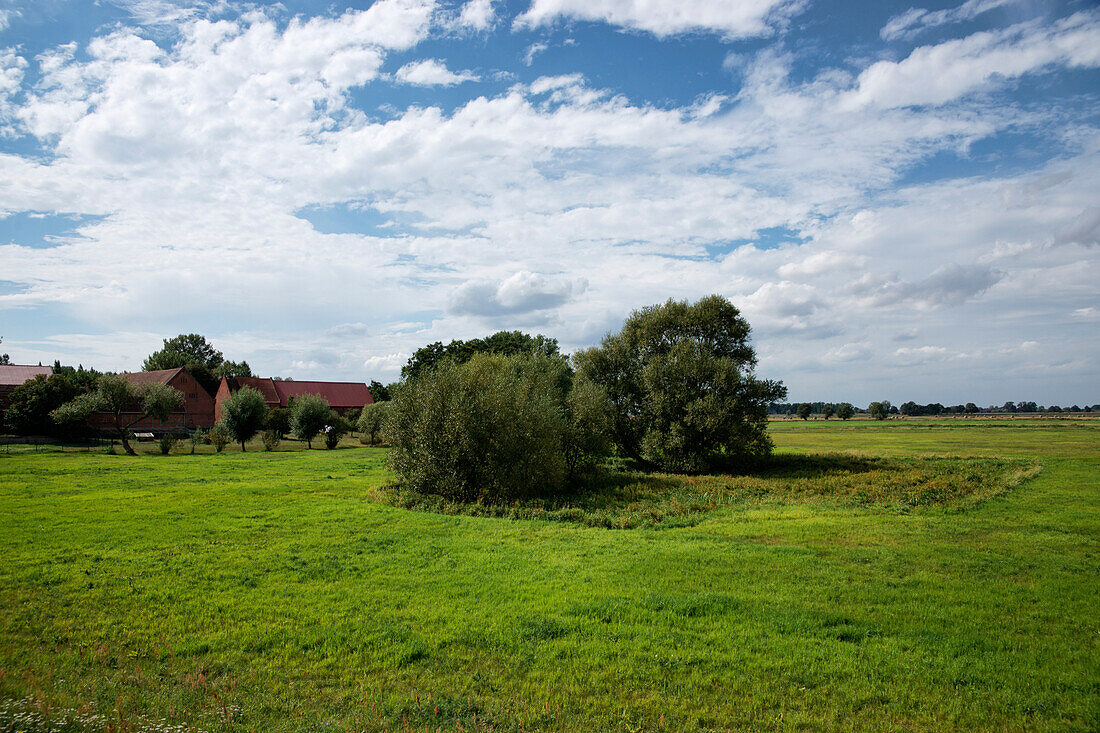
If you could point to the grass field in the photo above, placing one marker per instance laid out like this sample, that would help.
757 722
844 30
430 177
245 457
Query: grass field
280 591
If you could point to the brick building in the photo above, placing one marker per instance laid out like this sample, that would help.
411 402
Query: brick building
14 375
197 411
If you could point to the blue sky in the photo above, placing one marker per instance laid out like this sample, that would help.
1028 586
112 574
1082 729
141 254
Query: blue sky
902 199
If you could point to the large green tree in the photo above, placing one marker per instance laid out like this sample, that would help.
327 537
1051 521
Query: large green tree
193 351
243 414
127 403
680 378
501 342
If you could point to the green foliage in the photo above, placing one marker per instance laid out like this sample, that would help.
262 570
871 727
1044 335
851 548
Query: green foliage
336 427
372 421
116 395
494 428
193 351
587 438
679 378
828 411
805 410
30 404
243 414
271 440
845 411
232 369
166 441
308 416
502 342
878 410
278 420
219 437
379 392
196 438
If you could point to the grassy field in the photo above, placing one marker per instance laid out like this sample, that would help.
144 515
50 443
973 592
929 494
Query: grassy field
284 591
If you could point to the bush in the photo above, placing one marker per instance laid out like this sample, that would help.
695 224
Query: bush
336 429
271 440
494 428
219 436
198 435
372 422
278 419
165 443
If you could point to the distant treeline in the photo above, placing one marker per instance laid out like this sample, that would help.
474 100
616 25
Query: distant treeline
934 408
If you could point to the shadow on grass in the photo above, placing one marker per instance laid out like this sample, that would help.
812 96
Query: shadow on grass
620 498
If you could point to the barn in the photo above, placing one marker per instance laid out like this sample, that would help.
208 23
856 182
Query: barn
14 375
197 411
341 396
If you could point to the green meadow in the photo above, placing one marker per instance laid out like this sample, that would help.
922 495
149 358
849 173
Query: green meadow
903 575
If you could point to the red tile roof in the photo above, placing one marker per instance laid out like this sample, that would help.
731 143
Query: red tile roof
159 376
264 386
338 394
14 374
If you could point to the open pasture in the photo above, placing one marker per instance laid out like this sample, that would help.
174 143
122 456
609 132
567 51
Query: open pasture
283 591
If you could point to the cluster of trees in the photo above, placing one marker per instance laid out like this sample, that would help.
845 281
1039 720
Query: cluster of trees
509 416
206 364
827 409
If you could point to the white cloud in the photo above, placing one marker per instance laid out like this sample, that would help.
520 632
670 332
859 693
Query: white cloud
939 74
532 51
430 72
478 15
662 18
521 292
915 20
554 207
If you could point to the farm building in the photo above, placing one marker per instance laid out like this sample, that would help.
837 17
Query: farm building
197 412
342 396
14 375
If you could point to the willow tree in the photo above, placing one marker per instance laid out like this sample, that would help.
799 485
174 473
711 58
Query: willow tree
681 381
126 402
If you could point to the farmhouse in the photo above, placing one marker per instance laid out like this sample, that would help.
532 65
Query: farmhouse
14 375
341 396
197 411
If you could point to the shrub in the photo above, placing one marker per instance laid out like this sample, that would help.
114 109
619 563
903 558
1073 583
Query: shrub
165 443
198 435
372 422
308 416
271 440
243 414
845 411
336 429
278 419
219 436
494 428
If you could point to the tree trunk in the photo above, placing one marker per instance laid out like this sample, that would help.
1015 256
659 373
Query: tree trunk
122 435
242 447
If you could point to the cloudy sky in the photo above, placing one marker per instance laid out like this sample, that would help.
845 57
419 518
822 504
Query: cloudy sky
904 201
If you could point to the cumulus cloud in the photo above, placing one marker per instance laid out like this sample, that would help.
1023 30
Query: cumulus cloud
477 15
938 74
432 73
915 20
554 205
521 292
663 18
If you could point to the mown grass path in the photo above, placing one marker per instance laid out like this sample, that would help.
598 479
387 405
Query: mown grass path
271 591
